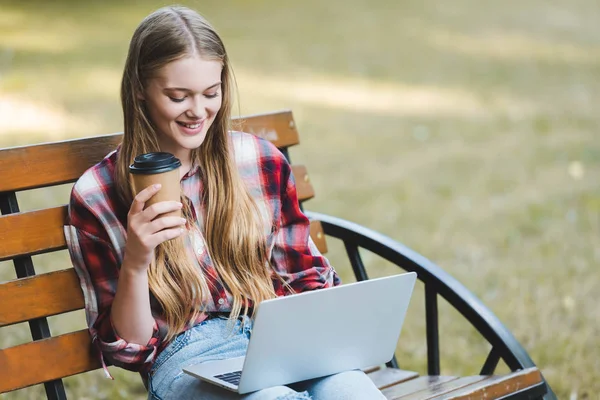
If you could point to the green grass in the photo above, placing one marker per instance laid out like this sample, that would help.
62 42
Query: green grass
466 130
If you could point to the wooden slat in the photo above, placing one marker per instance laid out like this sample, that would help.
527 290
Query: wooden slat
277 127
414 385
42 165
444 388
62 162
39 296
45 360
374 368
32 232
496 386
386 377
41 231
303 186
318 236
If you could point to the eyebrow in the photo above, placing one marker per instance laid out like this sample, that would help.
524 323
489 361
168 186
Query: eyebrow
188 90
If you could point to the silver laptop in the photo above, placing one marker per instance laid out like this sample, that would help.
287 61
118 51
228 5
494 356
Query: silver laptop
317 333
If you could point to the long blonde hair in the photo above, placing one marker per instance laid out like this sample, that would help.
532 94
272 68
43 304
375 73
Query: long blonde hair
233 229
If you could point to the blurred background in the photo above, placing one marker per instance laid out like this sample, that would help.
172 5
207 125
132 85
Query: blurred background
467 130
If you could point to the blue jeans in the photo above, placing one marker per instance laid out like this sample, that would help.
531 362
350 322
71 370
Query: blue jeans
214 339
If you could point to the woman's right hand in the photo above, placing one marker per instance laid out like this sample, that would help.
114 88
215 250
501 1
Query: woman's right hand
145 231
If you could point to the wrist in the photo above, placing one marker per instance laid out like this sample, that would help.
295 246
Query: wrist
133 274
133 266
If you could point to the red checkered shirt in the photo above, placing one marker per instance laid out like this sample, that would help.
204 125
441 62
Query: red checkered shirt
97 231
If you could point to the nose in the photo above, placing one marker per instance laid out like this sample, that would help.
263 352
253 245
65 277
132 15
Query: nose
197 110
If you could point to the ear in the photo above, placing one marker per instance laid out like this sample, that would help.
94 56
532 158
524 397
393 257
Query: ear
140 96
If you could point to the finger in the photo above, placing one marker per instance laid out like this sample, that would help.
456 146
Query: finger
161 207
162 223
142 197
166 234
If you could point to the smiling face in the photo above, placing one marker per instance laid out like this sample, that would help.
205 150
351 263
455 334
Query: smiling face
182 100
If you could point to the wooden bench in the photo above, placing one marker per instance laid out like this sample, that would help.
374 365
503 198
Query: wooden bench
32 298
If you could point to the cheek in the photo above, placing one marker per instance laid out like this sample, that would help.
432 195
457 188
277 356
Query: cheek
163 113
214 108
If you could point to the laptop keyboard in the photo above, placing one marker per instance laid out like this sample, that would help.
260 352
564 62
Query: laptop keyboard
231 377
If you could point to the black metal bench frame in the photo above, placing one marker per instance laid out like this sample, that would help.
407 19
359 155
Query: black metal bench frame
437 282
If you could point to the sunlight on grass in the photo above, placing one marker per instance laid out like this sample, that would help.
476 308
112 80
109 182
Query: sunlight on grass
17 115
370 96
59 42
466 130
513 46
12 19
101 82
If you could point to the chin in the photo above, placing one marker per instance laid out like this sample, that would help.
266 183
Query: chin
193 142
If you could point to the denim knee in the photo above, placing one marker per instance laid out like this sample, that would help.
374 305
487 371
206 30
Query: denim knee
349 385
277 393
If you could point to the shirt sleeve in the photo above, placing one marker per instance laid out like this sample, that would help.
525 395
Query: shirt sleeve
295 256
97 266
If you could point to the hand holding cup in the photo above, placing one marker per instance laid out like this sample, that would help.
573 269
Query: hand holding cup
155 214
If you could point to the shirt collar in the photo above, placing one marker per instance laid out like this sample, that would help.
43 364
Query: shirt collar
193 170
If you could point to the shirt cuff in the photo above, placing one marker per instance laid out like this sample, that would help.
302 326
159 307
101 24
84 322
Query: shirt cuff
127 355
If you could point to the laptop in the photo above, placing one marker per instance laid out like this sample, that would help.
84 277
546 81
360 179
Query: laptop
315 334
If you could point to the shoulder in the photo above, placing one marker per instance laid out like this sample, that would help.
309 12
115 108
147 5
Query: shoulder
97 181
261 162
94 200
248 148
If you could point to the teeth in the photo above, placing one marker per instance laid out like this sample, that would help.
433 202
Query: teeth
194 126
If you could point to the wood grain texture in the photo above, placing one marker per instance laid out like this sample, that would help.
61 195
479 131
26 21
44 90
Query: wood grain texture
50 164
32 232
42 165
414 385
277 127
20 234
41 231
39 296
45 360
318 236
303 186
386 377
58 292
439 389
373 368
497 386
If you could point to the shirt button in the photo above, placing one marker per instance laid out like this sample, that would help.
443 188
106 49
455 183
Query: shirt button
200 251
221 301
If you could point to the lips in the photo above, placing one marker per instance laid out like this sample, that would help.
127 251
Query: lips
190 128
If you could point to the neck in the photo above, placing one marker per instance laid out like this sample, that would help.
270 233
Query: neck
184 155
185 168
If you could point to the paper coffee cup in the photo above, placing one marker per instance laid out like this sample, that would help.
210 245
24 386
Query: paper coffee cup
159 167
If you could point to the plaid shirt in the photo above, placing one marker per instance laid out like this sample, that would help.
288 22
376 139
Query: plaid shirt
97 231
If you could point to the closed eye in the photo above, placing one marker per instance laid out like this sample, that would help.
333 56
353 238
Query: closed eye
211 96
177 100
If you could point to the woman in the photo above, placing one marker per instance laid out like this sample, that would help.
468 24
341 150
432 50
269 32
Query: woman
163 292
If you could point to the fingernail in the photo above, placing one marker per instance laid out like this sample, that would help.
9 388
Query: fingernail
180 205
183 220
157 186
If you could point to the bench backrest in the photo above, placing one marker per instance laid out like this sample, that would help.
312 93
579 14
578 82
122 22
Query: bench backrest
33 297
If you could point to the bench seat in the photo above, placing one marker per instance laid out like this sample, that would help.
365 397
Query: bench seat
34 296
407 385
